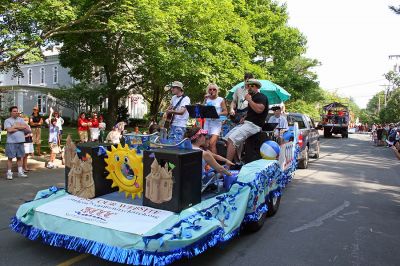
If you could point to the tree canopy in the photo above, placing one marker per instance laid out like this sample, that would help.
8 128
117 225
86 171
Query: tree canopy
142 45
29 26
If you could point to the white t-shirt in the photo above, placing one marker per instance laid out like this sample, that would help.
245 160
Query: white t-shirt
281 120
238 97
180 120
216 103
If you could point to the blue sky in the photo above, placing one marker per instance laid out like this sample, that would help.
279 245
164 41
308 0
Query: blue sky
352 39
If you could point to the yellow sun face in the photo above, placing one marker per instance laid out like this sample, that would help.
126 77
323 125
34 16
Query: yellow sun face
125 169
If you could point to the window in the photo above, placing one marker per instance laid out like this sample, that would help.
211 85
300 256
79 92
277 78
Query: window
42 75
30 76
296 118
18 80
42 103
55 75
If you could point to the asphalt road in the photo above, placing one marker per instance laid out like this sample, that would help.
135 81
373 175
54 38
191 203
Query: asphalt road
343 210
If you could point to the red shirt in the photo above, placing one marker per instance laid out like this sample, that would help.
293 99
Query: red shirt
81 127
340 113
95 122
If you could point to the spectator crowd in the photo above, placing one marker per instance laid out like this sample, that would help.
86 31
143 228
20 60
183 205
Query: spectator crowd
387 135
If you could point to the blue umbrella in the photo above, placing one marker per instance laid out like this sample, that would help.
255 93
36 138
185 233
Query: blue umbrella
275 93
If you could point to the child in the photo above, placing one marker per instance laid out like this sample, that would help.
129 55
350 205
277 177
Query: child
53 142
154 128
114 136
102 128
94 128
28 145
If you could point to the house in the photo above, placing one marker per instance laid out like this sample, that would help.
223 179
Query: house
35 86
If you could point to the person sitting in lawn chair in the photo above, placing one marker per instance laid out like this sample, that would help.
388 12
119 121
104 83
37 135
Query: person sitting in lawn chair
197 137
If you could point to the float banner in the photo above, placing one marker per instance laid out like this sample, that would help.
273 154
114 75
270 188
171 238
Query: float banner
106 213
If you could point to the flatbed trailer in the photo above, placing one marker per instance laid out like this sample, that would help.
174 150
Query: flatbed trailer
120 229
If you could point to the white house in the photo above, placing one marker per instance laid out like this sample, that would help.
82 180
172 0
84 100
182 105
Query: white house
39 79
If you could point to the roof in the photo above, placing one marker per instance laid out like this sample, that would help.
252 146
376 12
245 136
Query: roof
334 105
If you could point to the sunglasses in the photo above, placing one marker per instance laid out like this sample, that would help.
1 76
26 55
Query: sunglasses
251 86
212 89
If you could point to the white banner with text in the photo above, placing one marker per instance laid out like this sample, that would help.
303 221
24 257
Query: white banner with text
106 213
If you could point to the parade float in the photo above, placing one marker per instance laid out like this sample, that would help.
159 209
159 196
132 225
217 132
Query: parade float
141 205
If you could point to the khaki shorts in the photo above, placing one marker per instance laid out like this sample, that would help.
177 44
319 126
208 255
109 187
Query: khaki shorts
36 132
83 136
54 148
241 132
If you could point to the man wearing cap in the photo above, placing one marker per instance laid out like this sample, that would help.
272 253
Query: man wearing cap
254 120
279 118
178 110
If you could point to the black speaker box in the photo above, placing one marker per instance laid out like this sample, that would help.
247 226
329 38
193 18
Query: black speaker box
186 177
252 146
102 185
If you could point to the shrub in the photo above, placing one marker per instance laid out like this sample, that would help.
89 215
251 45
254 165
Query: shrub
137 122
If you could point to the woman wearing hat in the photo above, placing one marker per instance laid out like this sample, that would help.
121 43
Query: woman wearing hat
213 126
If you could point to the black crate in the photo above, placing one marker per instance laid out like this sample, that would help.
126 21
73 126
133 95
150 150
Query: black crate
186 190
252 146
102 185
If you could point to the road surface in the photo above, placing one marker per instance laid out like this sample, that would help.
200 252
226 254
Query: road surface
343 210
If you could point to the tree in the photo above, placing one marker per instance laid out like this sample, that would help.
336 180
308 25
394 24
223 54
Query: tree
391 113
28 26
80 97
297 77
150 43
395 9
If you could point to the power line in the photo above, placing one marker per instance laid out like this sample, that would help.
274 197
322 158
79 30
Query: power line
358 84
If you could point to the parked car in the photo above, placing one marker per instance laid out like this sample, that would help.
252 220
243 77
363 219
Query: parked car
308 137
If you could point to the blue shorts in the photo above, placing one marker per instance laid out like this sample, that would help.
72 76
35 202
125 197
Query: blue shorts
15 150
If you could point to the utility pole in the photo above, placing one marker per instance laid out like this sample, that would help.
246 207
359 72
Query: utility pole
379 103
385 93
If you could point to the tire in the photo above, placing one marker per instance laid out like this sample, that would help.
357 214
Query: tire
253 227
273 205
303 163
316 154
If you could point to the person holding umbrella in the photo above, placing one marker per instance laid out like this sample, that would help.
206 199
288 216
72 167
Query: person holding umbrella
254 120
238 106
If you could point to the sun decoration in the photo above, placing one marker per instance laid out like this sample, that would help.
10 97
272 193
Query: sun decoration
125 169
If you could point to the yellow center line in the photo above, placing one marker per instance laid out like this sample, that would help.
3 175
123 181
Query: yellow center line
73 260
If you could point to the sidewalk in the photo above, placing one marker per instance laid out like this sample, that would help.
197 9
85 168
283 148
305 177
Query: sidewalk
34 163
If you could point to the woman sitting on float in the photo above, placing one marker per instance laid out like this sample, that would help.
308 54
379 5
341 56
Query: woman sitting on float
197 137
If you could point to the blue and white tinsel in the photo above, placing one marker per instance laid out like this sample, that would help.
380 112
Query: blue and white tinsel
224 211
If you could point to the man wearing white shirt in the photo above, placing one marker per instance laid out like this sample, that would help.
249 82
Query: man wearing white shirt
178 109
279 118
